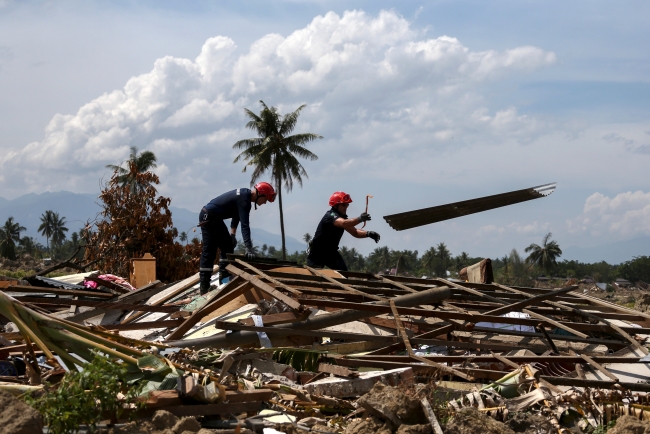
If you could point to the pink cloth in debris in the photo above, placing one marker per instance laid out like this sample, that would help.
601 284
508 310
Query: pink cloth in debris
111 278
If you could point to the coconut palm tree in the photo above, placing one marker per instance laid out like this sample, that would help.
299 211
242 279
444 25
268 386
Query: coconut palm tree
9 236
47 226
444 259
58 230
429 259
545 256
276 151
307 238
381 258
183 237
144 161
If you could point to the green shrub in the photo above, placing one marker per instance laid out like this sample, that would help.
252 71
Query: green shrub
85 398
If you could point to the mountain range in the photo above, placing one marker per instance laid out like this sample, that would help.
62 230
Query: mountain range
78 208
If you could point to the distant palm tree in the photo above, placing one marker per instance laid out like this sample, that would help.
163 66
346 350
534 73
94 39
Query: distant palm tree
29 245
307 238
58 230
381 258
47 226
444 259
462 261
429 259
183 237
9 236
545 255
143 162
275 150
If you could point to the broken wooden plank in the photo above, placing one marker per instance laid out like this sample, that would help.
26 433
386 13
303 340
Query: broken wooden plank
269 278
343 285
145 325
114 305
224 325
598 366
536 299
339 371
259 284
276 318
231 291
531 313
175 290
587 315
431 416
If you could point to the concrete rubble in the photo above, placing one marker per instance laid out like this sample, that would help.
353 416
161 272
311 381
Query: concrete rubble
285 348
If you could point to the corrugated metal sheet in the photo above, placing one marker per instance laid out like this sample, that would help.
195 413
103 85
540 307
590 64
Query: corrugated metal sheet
421 217
48 282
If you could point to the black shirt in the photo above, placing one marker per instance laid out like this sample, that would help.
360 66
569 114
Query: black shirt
235 205
327 237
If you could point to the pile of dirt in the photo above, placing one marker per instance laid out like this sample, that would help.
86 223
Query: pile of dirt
393 405
630 425
471 421
530 424
16 417
163 422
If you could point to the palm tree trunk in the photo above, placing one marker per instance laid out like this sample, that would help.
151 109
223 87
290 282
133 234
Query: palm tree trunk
284 249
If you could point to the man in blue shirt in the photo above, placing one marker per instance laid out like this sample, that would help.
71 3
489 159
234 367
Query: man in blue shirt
235 205
324 247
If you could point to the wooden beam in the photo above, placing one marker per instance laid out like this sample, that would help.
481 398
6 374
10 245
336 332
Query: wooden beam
598 366
529 312
146 325
224 325
614 327
59 291
95 303
231 291
175 290
521 304
399 285
276 318
263 286
269 278
343 285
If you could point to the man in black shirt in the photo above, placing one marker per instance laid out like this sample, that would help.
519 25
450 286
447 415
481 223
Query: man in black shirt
324 247
235 205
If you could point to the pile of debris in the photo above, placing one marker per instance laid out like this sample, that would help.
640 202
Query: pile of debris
291 349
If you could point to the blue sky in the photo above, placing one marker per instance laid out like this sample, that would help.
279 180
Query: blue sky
420 103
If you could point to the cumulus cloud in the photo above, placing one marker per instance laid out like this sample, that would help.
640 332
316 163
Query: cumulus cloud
375 88
626 214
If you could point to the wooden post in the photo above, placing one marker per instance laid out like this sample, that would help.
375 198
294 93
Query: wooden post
143 270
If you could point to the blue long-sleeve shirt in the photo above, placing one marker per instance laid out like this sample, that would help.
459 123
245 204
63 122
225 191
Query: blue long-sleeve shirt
235 205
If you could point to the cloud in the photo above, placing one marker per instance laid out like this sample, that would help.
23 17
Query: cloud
630 145
375 88
626 214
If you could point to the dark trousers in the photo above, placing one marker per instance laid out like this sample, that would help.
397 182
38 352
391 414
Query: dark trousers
332 260
215 236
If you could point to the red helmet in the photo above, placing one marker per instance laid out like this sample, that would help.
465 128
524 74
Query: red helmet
339 197
265 189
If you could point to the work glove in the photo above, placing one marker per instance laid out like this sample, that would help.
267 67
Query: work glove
250 254
374 235
233 239
364 217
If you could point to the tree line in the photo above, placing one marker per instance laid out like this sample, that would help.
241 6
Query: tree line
53 228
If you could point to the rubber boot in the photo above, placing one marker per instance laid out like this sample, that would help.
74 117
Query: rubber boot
205 287
224 275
